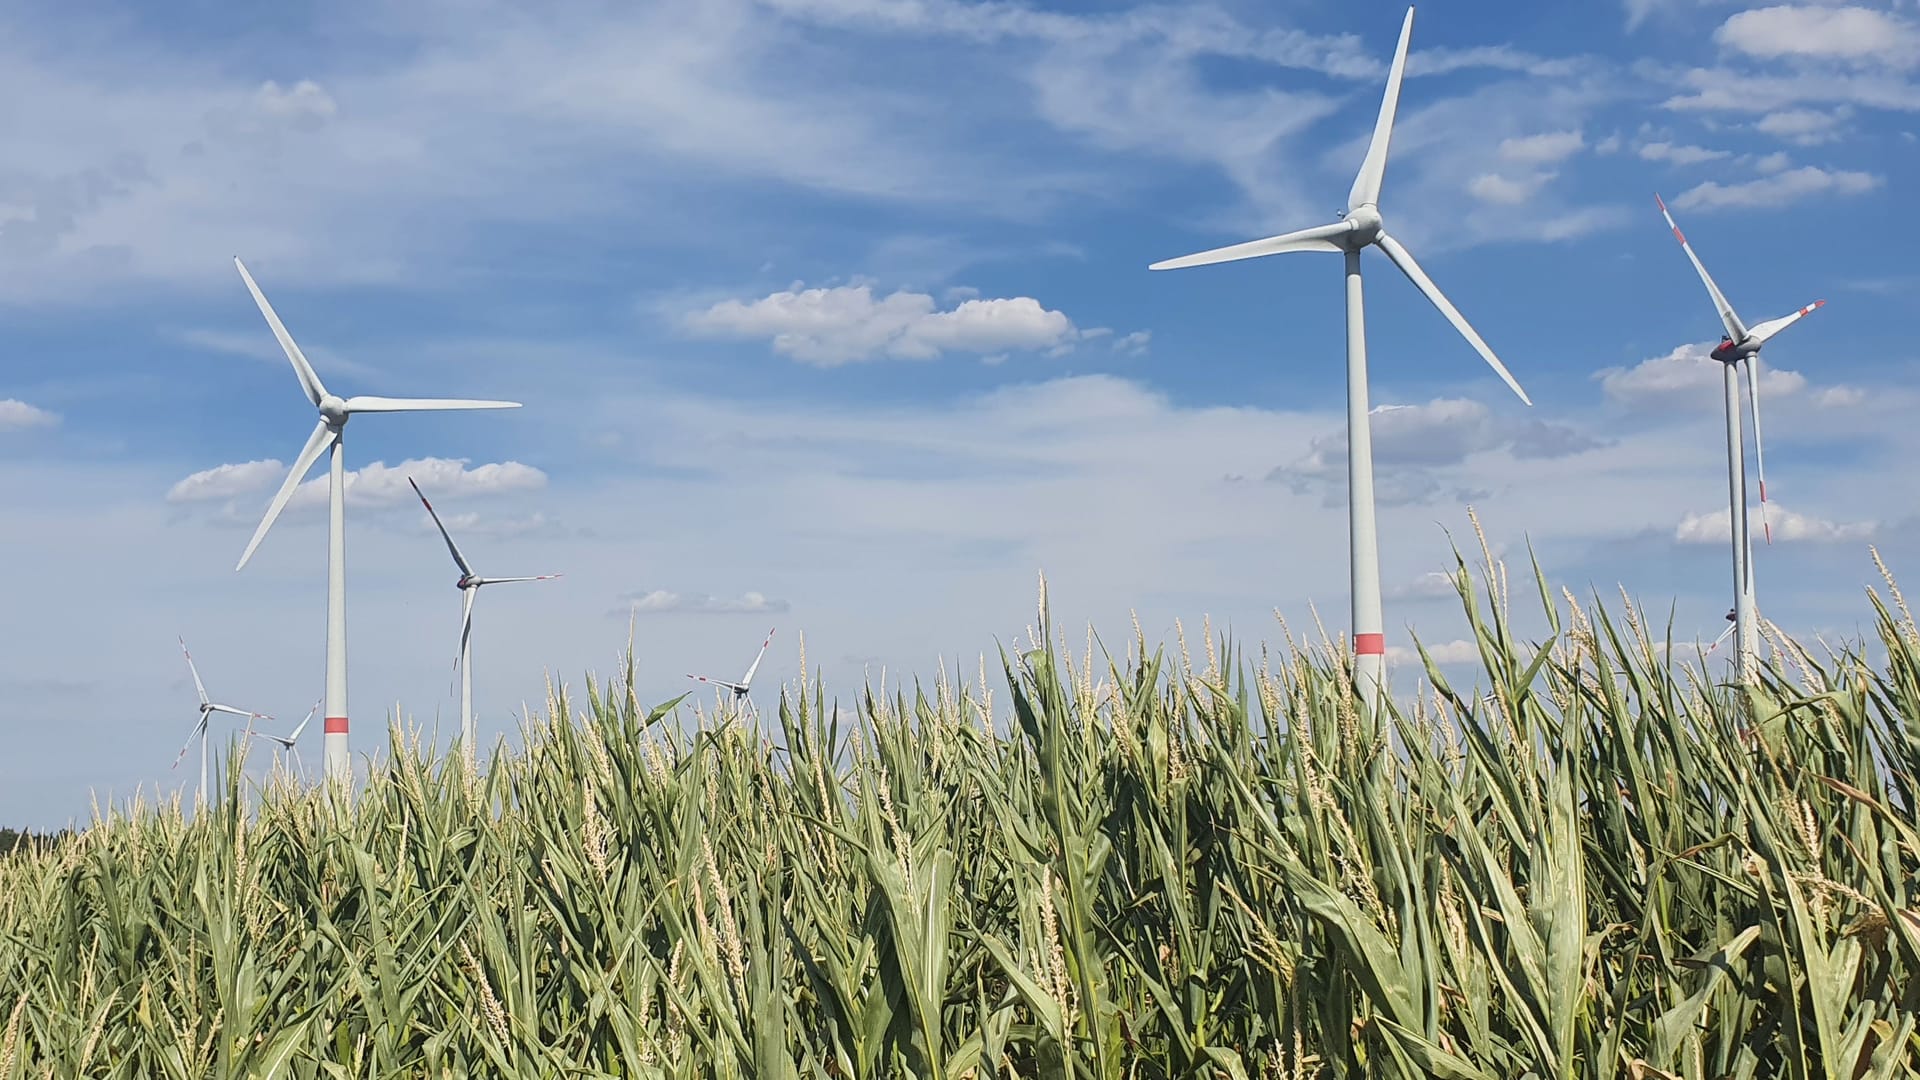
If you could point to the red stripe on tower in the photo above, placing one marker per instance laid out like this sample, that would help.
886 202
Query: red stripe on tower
1370 644
336 725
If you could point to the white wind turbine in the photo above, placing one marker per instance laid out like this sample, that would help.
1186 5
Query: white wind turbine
289 742
207 708
1740 343
739 689
1359 228
328 435
470 584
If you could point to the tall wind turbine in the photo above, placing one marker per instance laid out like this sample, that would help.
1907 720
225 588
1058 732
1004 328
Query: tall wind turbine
207 708
1361 227
328 435
470 584
739 689
1740 343
289 742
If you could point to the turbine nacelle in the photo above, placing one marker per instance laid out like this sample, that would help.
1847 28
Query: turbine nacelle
1730 351
334 408
1364 226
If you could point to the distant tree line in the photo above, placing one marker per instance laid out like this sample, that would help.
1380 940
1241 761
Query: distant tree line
14 838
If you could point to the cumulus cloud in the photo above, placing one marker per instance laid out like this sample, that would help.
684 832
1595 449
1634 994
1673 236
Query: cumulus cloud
1678 154
1457 651
1411 441
1805 127
1851 34
1546 148
1134 344
1840 397
377 484
227 481
662 601
1774 162
18 416
848 323
1779 189
1688 377
1788 527
1432 585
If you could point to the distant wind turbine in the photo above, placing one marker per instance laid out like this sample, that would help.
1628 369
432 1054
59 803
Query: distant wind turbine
1740 343
289 741
329 435
739 689
207 708
1361 227
470 584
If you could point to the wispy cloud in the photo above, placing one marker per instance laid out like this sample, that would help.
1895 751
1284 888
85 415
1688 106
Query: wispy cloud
1778 189
665 602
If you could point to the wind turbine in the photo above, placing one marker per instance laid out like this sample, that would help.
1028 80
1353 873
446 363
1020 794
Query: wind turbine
288 742
470 584
739 689
207 708
1740 343
1361 227
329 435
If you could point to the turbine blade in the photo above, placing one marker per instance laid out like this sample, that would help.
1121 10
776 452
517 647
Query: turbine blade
1736 329
747 679
458 559
198 686
369 403
466 631
1759 444
1366 186
295 735
231 711
1318 238
1403 259
322 437
715 682
1766 330
504 580
197 729
309 381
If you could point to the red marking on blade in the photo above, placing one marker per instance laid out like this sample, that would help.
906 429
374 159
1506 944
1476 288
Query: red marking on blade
1661 201
1678 235
336 725
1370 644
1763 491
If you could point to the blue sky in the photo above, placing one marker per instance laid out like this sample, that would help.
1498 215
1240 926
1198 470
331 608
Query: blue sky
834 316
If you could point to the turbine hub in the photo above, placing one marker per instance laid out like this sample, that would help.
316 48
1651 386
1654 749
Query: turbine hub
334 409
1364 221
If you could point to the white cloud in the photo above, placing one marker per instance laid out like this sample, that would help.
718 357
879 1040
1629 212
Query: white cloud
18 416
376 484
1134 344
1779 189
1546 148
662 602
1804 127
1457 651
1774 162
1848 33
1684 379
1506 191
1432 585
1788 527
1840 397
847 323
227 481
1680 154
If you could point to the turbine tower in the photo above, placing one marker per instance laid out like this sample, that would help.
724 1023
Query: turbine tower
469 584
1740 343
329 435
207 708
1361 227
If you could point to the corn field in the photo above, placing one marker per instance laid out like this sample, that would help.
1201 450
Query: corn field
1593 862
